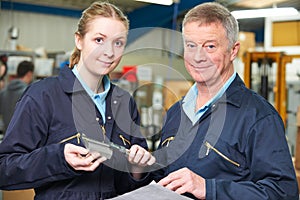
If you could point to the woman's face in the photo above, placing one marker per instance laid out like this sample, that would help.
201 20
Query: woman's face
102 46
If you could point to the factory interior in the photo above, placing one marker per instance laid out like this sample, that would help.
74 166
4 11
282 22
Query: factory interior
152 67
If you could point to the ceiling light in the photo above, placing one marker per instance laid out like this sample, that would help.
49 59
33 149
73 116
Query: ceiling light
267 12
162 2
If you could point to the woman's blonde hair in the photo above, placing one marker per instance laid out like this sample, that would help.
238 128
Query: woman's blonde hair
95 10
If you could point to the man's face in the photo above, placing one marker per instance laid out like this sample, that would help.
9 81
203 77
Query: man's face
207 54
2 69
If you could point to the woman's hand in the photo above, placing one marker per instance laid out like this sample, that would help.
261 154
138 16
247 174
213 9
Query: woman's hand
80 158
140 156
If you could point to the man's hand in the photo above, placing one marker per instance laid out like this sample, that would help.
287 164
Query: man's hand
184 180
80 158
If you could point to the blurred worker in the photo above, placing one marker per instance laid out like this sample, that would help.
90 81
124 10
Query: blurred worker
13 91
3 71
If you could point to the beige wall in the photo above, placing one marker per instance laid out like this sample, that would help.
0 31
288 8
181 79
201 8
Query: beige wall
56 33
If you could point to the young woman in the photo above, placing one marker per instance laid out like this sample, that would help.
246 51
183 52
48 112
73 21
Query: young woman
43 147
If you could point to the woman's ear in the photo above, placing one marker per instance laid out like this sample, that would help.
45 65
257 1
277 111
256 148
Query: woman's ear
78 41
235 50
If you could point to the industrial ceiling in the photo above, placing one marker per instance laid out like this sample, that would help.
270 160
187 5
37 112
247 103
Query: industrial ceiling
130 5
145 14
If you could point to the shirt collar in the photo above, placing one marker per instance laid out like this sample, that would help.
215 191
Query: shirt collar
189 101
101 95
223 89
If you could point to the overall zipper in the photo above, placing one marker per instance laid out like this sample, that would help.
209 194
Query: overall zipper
103 132
124 140
209 146
167 141
77 135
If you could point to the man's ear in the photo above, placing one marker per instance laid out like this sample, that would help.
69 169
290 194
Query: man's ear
235 50
28 77
78 41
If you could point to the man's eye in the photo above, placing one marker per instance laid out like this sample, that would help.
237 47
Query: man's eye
191 45
210 48
99 40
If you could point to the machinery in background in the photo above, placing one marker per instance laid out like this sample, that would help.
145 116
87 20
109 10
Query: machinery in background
13 37
264 61
276 79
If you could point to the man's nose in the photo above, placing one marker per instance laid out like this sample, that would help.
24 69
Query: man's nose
200 54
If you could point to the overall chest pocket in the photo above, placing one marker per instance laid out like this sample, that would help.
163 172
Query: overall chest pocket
226 159
167 136
67 134
121 138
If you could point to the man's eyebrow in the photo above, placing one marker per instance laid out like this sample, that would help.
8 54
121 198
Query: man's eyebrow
210 41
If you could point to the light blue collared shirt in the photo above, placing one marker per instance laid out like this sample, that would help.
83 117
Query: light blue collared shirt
189 101
99 99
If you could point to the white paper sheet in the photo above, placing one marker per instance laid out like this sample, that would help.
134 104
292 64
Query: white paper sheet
150 192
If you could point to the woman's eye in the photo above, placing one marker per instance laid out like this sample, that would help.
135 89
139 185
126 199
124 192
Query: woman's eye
119 43
99 40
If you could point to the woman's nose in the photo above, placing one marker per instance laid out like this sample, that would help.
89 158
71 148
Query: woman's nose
109 50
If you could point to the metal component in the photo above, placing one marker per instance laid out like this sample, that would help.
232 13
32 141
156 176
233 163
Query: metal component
96 146
106 149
